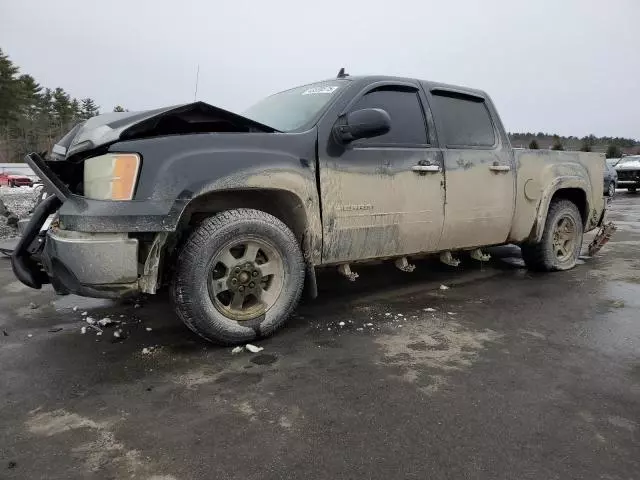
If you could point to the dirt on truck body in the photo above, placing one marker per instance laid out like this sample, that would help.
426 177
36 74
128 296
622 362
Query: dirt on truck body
234 213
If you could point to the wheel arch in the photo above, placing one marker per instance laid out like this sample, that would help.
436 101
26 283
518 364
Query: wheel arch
574 189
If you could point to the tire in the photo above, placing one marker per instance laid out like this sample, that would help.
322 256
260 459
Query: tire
200 299
544 256
611 189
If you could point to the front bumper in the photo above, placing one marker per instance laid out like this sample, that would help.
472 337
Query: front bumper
92 264
89 263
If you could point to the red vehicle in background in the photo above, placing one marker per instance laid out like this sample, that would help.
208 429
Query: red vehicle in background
11 180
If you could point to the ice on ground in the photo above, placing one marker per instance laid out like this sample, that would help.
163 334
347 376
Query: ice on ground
444 287
237 350
253 348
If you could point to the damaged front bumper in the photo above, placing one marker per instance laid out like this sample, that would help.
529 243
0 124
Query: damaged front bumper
90 264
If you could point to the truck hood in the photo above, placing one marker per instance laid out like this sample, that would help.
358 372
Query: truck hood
197 117
632 163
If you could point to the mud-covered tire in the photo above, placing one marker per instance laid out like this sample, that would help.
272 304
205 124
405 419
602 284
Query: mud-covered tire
542 256
191 291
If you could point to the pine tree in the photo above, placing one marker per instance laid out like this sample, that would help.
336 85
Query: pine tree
613 151
62 108
557 144
89 108
10 91
118 108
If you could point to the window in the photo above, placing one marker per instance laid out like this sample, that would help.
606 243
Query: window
292 109
465 120
407 119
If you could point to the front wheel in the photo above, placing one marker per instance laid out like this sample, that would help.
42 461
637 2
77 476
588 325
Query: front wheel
561 240
611 191
238 277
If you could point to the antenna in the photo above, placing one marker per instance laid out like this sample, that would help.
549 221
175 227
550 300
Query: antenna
195 93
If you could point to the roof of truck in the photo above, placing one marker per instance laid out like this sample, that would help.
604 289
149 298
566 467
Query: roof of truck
427 83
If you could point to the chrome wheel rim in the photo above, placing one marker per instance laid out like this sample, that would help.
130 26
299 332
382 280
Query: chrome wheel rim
246 278
564 238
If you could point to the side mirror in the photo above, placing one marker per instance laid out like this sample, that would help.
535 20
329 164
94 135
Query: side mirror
365 123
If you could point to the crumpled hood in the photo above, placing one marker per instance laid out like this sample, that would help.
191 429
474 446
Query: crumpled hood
197 117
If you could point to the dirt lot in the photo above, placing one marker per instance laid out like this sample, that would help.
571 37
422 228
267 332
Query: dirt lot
507 374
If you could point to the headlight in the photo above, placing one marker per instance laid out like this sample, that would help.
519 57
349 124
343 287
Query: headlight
112 176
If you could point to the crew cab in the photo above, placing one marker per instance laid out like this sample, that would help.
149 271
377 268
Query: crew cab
235 213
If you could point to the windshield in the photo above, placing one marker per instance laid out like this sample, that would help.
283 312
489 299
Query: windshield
291 109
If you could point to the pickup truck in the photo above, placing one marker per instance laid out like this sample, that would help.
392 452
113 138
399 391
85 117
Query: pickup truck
234 213
628 170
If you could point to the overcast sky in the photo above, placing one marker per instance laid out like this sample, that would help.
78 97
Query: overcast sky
566 66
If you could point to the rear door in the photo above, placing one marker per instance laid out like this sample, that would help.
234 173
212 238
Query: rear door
479 170
383 196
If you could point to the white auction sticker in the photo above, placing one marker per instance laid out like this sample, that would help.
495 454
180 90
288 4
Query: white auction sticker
316 90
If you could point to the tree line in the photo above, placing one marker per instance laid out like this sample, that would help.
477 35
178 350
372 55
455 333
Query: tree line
33 117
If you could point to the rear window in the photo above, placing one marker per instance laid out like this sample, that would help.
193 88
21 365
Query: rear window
465 120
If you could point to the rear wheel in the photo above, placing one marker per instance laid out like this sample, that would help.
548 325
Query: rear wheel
561 240
239 277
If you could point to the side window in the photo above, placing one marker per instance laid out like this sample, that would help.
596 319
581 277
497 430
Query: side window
407 119
465 120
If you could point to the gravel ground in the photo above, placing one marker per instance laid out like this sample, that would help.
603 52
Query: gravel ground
18 201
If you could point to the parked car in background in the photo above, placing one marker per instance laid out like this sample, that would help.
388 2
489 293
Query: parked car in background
610 179
628 169
10 180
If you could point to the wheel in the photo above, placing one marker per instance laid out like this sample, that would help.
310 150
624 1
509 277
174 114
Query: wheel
561 240
611 190
238 277
11 184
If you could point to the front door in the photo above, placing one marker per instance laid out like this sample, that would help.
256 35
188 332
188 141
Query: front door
480 175
383 196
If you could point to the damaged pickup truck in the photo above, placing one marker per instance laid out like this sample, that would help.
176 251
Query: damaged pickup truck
234 213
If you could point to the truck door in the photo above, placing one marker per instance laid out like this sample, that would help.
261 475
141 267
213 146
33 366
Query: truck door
383 196
479 171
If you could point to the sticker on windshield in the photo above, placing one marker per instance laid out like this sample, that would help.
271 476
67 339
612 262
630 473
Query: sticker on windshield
316 90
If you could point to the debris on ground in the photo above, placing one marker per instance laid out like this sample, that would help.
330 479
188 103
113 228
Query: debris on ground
118 334
341 324
451 313
137 305
55 329
90 320
105 321
237 350
83 330
444 287
84 314
368 324
148 350
387 314
253 348
429 309
148 329
75 309
33 306
30 335
359 329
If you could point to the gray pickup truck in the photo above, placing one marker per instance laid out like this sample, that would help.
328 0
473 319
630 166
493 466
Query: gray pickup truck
234 213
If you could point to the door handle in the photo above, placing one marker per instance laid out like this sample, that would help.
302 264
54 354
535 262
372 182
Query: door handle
499 168
426 168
